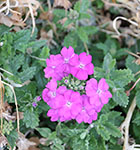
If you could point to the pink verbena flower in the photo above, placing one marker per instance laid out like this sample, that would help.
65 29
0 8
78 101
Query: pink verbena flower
98 92
67 54
88 112
38 98
53 95
53 113
72 105
81 66
34 104
53 68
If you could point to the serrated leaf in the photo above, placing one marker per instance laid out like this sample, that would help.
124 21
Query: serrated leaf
12 137
82 35
21 39
27 74
109 63
103 132
130 63
101 144
84 5
16 63
45 52
113 130
102 46
77 6
138 98
122 77
4 29
35 45
84 16
45 132
110 83
90 30
137 120
83 135
120 97
99 72
71 40
31 119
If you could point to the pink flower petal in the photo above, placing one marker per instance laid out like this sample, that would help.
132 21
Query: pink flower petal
81 74
95 100
103 85
89 68
84 58
74 61
52 85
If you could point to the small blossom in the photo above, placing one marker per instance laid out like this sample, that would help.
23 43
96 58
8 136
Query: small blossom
88 112
38 98
53 95
53 68
67 54
98 92
81 66
34 104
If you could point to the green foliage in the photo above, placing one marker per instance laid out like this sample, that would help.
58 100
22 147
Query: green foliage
105 128
138 98
24 55
12 137
31 119
7 127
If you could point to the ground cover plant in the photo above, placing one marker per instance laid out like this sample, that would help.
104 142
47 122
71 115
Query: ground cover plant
69 75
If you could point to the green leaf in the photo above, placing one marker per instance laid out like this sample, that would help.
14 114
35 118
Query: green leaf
84 16
113 130
130 63
71 40
122 77
90 30
103 132
35 45
45 132
137 120
45 52
27 74
108 63
31 119
138 98
82 35
84 5
102 46
4 29
83 135
12 137
99 72
120 97
21 39
77 6
16 63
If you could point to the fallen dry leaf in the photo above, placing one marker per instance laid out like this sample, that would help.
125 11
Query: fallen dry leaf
3 141
64 3
46 15
36 140
23 143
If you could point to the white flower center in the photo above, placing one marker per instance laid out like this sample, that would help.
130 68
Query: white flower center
53 94
53 67
68 103
81 65
66 60
99 91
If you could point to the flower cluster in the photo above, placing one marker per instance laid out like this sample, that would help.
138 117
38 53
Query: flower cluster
73 98
59 66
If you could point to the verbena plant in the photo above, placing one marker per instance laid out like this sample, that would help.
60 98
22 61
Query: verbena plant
88 77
